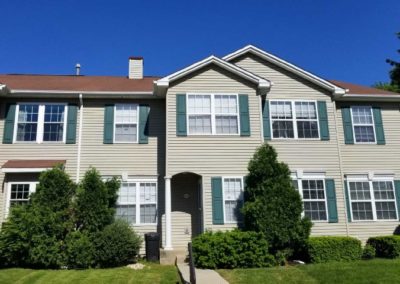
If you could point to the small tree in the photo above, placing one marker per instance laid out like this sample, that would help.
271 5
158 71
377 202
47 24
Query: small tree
34 234
272 205
95 202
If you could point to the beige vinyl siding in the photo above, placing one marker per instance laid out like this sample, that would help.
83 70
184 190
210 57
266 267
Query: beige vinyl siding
133 158
301 154
211 155
136 160
112 159
364 158
34 151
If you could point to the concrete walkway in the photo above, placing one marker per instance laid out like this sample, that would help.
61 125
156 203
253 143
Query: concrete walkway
203 276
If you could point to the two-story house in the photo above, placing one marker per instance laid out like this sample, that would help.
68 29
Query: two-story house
181 143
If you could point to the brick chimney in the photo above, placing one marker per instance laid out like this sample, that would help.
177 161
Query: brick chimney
135 67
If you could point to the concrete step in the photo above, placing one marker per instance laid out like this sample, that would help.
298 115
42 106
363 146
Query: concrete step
172 257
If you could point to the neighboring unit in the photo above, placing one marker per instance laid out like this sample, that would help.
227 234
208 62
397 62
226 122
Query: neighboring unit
181 143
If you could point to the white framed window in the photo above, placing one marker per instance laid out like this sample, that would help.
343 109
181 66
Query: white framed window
372 200
313 193
126 123
19 193
363 124
40 122
137 202
232 188
213 114
294 119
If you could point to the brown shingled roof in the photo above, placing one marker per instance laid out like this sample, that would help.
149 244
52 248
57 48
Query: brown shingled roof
77 83
361 90
32 163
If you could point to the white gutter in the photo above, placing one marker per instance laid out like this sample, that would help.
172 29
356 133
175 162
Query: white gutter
24 170
78 159
22 91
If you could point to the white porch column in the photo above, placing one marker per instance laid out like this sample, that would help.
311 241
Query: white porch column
168 235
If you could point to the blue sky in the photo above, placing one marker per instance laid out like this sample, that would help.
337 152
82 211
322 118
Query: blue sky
344 39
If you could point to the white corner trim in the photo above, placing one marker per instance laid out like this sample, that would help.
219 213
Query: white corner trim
24 170
287 66
261 83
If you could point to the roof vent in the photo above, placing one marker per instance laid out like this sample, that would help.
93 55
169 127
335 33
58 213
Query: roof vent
135 67
77 69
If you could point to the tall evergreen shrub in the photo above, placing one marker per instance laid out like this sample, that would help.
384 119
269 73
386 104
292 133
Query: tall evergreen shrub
272 205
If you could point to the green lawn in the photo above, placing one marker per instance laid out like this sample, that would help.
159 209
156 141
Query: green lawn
150 274
370 271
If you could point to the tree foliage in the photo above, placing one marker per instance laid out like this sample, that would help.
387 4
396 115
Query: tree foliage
272 205
59 226
95 202
394 73
34 234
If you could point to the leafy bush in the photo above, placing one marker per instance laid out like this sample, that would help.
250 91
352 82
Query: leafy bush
272 205
79 250
33 234
116 245
231 249
325 249
95 202
386 246
368 252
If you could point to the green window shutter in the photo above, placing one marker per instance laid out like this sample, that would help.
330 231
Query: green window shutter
347 125
348 205
379 133
331 199
144 124
397 190
71 124
181 115
108 137
9 124
217 201
244 115
323 120
266 121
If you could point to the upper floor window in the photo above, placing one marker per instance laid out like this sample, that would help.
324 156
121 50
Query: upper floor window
213 114
126 123
137 202
40 122
233 199
294 119
363 124
372 200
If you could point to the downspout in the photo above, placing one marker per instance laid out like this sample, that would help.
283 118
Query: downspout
78 160
341 168
260 111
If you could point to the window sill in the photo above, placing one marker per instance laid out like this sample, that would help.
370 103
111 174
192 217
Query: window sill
374 221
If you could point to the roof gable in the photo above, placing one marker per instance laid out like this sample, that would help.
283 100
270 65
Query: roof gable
336 90
262 84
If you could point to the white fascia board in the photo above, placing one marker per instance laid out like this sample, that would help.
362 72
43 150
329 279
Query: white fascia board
287 66
88 94
369 97
24 170
261 83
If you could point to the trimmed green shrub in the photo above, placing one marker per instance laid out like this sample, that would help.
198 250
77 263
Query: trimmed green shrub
272 205
232 249
325 249
34 234
94 206
368 252
116 245
79 250
386 246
